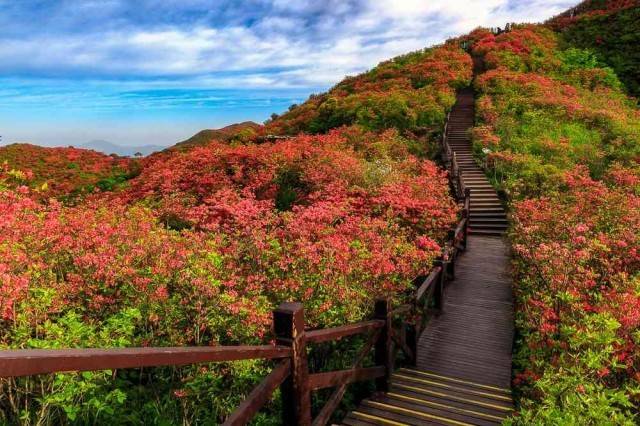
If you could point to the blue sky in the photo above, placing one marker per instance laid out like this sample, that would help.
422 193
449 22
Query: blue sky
154 72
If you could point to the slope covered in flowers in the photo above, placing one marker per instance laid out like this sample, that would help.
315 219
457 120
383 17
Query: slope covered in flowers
205 242
410 93
65 172
558 134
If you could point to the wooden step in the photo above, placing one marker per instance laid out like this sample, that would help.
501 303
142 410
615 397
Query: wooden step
486 232
477 222
487 215
483 191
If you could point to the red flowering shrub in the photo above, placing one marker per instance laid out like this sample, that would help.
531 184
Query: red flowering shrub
527 48
221 187
577 263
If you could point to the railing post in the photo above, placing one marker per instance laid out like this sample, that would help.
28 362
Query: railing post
412 340
288 325
383 345
451 260
412 327
439 290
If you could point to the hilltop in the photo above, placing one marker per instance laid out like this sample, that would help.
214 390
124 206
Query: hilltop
241 131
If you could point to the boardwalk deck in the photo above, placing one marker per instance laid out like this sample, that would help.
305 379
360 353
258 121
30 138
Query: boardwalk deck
463 371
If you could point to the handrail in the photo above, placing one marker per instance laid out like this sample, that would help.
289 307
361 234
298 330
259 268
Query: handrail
336 333
428 283
26 362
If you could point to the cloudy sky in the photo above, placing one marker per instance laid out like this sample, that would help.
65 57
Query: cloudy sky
155 71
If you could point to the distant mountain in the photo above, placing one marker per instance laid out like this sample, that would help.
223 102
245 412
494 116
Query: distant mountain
224 134
121 150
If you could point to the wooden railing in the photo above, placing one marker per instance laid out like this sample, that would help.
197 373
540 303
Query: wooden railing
391 330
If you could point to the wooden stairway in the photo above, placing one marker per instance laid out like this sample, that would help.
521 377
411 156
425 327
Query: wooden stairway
422 398
462 374
487 216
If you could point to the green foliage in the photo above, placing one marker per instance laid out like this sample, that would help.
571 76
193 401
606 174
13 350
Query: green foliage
290 188
615 37
574 59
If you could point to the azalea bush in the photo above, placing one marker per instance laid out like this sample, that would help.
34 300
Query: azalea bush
578 281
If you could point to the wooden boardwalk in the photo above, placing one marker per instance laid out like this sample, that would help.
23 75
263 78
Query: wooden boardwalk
463 371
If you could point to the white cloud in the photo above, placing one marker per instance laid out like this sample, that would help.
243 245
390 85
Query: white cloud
276 50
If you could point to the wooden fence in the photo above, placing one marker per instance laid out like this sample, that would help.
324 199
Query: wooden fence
392 329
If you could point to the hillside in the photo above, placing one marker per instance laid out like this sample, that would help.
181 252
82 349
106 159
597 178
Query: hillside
410 93
65 172
241 131
558 134
203 244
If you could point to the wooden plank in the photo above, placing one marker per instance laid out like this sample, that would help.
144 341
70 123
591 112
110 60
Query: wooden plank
334 400
431 279
336 333
25 362
336 378
259 395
